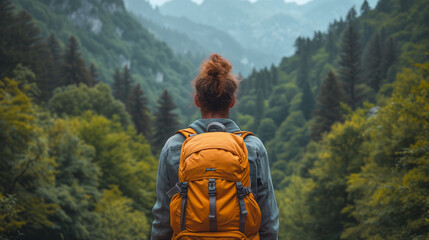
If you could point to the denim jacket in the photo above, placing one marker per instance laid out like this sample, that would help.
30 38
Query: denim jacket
260 176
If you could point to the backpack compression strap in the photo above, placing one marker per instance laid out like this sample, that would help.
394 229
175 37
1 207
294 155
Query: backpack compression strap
243 134
187 132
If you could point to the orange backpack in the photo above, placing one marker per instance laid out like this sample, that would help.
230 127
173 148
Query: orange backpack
212 199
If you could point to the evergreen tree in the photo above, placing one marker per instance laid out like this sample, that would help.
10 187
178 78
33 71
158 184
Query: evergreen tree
20 42
74 70
384 6
47 78
365 8
139 111
167 122
274 75
373 63
367 33
259 109
127 83
351 16
405 5
122 84
328 109
55 49
7 19
117 84
94 75
331 46
55 68
390 55
307 101
303 68
350 67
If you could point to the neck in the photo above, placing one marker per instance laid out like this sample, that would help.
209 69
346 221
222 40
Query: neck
214 115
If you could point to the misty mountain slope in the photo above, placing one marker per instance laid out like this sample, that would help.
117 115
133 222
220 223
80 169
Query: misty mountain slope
110 38
190 37
261 25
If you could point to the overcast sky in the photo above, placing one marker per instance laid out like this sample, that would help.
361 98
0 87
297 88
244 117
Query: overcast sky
160 2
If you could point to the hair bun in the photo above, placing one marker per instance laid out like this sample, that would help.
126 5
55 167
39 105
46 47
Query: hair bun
217 70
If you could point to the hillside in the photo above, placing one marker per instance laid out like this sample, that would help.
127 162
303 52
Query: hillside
336 159
111 38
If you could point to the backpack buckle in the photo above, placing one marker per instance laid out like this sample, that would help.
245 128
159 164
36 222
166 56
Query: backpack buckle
184 190
212 187
240 190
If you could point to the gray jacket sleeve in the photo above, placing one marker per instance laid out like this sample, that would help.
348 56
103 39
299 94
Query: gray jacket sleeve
266 199
161 211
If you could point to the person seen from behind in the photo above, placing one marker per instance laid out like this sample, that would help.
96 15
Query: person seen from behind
213 179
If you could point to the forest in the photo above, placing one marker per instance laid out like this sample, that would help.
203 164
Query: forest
85 110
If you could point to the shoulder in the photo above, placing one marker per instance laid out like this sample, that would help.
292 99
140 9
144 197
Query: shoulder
253 143
174 143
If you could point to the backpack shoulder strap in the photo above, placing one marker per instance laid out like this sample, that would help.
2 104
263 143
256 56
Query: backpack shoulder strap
187 132
243 134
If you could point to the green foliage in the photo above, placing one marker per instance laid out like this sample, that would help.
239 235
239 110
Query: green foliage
124 157
25 166
118 219
340 154
392 187
139 111
110 45
53 170
166 123
75 100
328 109
350 67
267 129
73 70
294 210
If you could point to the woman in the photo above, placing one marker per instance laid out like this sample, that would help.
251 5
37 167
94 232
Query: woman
215 90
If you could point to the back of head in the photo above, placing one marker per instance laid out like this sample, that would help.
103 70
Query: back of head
215 85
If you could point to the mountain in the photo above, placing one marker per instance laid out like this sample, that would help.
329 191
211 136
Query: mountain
197 40
269 26
110 38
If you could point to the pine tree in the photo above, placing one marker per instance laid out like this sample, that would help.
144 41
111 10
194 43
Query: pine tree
405 5
350 67
166 122
19 41
328 108
117 84
49 79
390 55
373 63
74 70
365 8
55 48
259 109
274 75
7 18
351 16
384 6
94 75
331 47
139 111
303 68
307 101
127 83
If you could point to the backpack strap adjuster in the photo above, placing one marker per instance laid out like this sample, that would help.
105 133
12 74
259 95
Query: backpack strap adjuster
212 209
184 195
241 193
